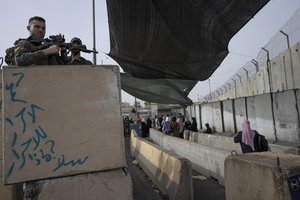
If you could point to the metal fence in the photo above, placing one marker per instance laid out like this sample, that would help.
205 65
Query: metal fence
288 36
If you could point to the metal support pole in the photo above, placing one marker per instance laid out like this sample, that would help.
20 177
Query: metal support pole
255 63
229 85
239 78
94 35
290 52
234 88
247 73
225 88
209 88
271 95
268 69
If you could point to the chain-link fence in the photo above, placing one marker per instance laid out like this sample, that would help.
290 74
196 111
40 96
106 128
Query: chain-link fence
288 36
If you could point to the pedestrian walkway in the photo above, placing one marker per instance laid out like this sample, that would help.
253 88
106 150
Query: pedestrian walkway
204 189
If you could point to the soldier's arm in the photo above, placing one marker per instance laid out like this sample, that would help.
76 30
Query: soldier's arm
26 54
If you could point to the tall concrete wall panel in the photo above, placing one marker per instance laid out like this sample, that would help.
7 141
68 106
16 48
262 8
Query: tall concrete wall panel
252 86
277 72
263 113
228 116
286 116
287 64
217 117
198 116
240 112
296 64
193 114
239 91
206 113
251 112
260 81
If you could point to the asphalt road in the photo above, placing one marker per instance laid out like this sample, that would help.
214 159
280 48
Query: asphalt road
204 189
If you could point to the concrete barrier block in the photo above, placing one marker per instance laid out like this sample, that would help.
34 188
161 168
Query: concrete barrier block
64 125
6 192
262 176
204 159
108 185
171 173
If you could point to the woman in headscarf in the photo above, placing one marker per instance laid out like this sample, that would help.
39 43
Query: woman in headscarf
247 138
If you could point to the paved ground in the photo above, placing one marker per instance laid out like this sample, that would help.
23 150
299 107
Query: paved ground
204 189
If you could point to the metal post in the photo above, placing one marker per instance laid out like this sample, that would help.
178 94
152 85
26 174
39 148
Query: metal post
271 95
255 63
239 78
290 52
94 35
234 88
209 88
268 69
229 85
225 88
247 73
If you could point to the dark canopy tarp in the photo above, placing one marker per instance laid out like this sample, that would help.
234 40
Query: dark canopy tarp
178 39
173 41
166 91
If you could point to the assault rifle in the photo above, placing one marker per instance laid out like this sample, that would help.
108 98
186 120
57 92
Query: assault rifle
60 41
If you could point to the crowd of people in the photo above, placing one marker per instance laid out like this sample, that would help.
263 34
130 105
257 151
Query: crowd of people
250 140
173 125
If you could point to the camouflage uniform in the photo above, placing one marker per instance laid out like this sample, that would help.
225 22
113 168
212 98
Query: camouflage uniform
27 53
82 61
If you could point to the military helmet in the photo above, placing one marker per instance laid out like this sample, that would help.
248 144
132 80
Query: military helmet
76 39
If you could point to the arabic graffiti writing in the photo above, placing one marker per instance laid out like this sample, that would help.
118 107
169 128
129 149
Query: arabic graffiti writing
30 141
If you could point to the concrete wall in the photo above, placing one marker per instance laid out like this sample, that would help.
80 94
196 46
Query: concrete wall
263 116
206 114
205 159
277 116
286 116
240 112
207 152
112 184
258 176
7 192
53 125
229 122
50 122
217 117
284 75
171 173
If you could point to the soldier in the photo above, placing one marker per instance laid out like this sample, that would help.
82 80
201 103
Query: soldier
26 50
76 58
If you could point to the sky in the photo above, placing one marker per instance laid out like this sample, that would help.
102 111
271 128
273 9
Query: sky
73 18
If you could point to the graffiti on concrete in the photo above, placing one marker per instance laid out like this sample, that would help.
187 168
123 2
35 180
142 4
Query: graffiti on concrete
30 144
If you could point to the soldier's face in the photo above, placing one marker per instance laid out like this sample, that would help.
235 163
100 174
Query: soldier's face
37 29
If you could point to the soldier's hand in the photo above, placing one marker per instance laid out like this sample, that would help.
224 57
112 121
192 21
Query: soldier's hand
54 49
